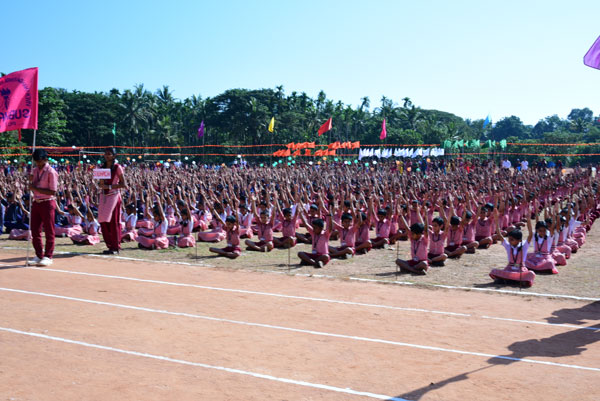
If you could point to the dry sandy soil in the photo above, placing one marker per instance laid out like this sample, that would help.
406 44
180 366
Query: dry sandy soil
96 329
581 276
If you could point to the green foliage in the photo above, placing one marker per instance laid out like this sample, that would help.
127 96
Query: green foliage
241 117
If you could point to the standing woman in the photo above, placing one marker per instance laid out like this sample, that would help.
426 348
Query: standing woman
109 207
43 183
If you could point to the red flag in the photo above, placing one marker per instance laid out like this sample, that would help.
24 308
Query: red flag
19 100
306 152
311 145
356 145
330 152
325 127
297 153
383 131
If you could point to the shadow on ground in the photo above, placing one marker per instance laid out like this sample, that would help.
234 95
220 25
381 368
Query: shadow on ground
571 343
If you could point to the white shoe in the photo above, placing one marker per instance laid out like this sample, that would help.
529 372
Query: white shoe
34 262
45 262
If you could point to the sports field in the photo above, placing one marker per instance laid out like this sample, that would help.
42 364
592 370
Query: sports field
92 328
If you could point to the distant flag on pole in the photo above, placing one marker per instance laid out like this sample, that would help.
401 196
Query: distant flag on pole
114 130
19 100
487 121
592 57
383 134
272 125
201 130
325 127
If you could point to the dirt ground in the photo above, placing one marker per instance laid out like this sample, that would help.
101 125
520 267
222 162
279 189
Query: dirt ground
579 278
95 329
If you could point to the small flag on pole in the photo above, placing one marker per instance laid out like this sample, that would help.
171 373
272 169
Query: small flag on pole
201 130
272 125
592 57
325 127
487 121
383 134
114 130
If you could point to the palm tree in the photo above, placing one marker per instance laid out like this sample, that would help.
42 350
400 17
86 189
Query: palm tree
138 111
411 116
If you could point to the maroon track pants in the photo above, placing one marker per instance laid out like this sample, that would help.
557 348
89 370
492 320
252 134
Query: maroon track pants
111 231
42 215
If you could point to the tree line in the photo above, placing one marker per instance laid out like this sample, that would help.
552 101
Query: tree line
241 117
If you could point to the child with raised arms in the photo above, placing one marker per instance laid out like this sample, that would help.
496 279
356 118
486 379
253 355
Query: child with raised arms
232 234
516 251
320 234
419 241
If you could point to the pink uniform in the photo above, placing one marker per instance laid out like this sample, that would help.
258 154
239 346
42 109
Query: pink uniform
418 249
320 242
129 233
246 224
436 242
187 240
46 178
515 270
382 229
72 228
454 237
347 235
91 238
265 231
288 226
216 235
233 238
42 210
159 238
483 228
542 260
469 232
363 233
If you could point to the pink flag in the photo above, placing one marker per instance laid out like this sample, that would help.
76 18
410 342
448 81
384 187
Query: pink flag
592 57
383 134
19 100
201 130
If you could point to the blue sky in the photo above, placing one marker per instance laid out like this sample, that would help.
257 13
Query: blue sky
470 58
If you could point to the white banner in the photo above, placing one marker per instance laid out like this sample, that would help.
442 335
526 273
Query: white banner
101 174
405 152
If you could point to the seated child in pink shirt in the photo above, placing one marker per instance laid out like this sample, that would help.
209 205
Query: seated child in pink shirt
319 256
232 234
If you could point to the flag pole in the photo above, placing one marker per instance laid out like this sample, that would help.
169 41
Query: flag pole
271 149
29 237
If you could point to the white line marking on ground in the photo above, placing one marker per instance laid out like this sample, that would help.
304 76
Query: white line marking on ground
204 287
571 326
312 332
96 255
327 300
369 280
305 298
206 366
